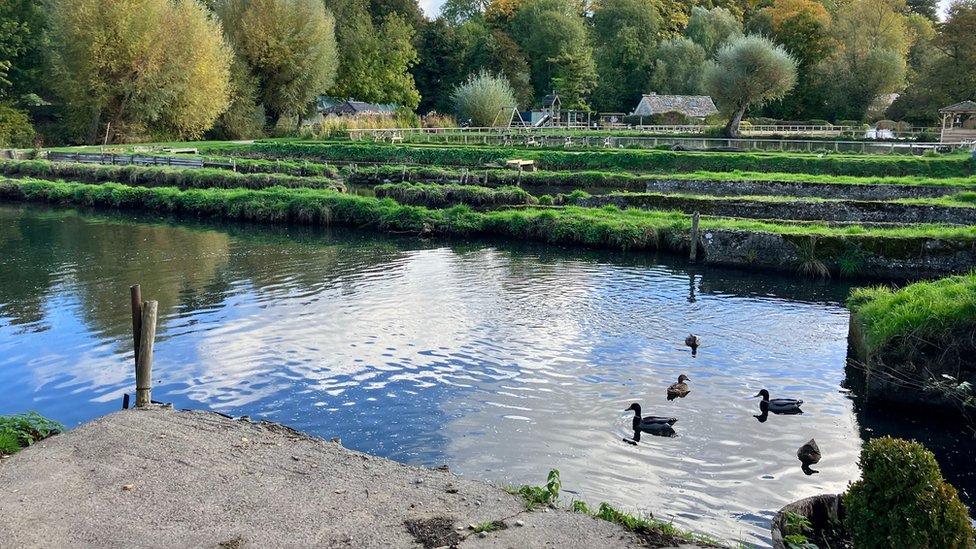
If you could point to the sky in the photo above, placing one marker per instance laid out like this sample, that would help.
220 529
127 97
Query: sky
433 7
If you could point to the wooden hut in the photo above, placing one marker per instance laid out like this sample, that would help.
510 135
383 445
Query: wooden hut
959 123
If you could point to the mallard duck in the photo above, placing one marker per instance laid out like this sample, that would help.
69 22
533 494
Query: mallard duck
649 422
693 341
679 389
809 453
779 405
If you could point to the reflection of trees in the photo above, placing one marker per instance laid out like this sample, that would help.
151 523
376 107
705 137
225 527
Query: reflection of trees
26 271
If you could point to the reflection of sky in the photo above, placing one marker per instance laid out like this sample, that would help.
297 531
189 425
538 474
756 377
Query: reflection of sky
500 362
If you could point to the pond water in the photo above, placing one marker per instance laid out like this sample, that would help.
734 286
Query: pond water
500 360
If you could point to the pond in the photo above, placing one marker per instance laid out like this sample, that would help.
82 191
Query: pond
501 360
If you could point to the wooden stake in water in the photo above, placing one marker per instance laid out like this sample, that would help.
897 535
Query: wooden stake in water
693 252
144 364
135 295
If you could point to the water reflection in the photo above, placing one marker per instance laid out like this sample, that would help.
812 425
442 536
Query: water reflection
501 360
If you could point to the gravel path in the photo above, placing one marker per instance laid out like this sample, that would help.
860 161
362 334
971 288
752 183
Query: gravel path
166 478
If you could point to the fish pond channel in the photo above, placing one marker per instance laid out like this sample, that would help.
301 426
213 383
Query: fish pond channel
501 360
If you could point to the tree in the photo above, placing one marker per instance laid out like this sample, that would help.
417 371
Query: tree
802 27
374 58
712 28
625 32
289 47
748 71
456 12
23 52
121 76
484 99
553 35
871 42
408 10
678 67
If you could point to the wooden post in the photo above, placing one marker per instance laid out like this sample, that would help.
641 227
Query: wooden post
693 251
135 294
144 365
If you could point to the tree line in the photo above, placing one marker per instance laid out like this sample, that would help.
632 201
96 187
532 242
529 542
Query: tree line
86 71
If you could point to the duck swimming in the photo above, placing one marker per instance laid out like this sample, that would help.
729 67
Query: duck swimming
694 342
650 423
809 454
679 389
779 405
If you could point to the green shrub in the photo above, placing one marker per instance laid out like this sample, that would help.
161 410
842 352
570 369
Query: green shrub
903 501
15 128
540 496
22 430
484 99
442 196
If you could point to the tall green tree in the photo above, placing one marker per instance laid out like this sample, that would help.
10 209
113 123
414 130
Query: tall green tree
749 71
23 50
120 77
625 33
456 12
289 47
484 100
553 35
678 67
374 58
712 28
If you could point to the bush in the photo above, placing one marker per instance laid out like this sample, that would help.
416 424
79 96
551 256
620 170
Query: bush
483 98
15 128
22 430
886 125
670 118
903 501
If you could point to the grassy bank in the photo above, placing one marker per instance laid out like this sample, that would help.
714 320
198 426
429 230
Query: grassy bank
926 311
153 176
22 430
627 160
441 196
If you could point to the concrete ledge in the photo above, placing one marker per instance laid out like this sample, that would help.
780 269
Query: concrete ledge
166 478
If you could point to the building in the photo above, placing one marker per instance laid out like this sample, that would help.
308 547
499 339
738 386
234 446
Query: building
959 123
692 106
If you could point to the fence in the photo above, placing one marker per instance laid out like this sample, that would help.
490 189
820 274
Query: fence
534 138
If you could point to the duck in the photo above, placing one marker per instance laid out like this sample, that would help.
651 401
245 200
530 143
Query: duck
809 454
779 405
693 341
679 389
649 422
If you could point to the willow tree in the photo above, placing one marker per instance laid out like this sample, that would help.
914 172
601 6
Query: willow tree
289 47
484 99
748 72
121 76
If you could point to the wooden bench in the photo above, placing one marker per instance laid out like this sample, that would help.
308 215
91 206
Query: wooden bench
521 165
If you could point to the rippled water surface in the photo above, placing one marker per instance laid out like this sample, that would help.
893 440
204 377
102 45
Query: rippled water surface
500 360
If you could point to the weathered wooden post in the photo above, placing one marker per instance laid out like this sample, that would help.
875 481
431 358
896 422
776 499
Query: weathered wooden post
135 295
144 364
693 251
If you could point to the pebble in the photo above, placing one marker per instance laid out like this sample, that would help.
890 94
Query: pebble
519 523
471 527
128 487
482 534
418 481
342 491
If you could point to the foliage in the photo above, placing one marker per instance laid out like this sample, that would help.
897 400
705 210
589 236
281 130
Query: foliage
712 28
749 71
553 35
244 117
375 56
541 496
678 67
22 430
484 100
287 45
123 77
488 526
903 501
809 264
625 33
15 128
23 51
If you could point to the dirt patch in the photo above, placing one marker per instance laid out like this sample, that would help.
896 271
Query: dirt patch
433 532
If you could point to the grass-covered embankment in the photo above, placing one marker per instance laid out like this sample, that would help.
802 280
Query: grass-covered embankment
442 196
158 176
22 430
624 160
918 342
904 251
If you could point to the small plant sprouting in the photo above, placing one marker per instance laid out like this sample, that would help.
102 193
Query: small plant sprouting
489 526
797 528
540 496
851 262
